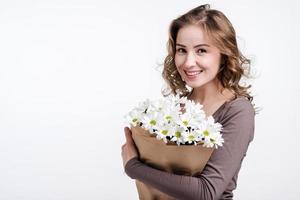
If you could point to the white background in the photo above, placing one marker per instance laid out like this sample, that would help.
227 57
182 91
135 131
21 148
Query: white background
70 70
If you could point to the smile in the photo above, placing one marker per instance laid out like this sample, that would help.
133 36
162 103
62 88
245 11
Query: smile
192 74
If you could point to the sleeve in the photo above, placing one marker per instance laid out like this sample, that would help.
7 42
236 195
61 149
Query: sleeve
224 163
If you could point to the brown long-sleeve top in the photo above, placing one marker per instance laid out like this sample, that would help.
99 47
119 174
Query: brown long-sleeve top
219 177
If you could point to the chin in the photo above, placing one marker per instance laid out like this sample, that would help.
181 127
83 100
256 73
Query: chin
194 85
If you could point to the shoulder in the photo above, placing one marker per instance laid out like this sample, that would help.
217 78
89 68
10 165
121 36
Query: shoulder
239 110
238 117
240 104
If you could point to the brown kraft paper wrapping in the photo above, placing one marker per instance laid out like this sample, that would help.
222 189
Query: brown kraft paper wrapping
186 160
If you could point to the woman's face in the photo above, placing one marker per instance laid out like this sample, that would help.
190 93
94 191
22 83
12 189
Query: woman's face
196 59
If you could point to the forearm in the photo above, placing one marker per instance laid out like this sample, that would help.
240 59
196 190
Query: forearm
178 186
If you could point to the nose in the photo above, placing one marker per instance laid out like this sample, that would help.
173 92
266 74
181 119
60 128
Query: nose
190 60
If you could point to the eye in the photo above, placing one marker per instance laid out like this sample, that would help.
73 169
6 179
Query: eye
180 50
201 51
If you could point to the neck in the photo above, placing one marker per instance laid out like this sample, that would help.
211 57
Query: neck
208 94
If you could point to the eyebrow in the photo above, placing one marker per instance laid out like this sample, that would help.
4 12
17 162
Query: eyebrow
199 45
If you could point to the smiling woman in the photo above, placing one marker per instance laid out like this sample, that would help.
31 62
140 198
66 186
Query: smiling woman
198 37
198 60
203 55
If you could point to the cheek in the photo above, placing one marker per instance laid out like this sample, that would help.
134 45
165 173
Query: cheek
177 62
214 63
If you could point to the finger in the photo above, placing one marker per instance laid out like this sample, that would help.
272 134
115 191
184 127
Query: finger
126 128
128 134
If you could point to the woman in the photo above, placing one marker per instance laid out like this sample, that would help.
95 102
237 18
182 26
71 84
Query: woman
204 56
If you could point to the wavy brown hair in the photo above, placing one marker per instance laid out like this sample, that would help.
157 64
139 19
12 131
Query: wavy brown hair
220 30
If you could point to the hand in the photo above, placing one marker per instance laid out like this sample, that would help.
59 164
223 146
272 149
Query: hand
129 149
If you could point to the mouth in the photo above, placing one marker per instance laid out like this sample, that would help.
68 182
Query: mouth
193 74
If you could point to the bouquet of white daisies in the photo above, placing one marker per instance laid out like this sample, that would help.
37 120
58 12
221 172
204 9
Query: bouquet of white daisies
177 120
172 134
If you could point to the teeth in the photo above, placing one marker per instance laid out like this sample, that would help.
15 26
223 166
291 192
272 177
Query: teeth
193 73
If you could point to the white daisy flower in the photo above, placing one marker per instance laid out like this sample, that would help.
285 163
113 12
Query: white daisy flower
151 121
170 116
216 139
188 120
195 109
178 135
176 119
190 137
164 132
133 117
211 133
143 106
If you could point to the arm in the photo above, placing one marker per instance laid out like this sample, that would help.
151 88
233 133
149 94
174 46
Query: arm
238 130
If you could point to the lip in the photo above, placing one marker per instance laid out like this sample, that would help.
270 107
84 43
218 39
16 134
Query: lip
193 70
192 74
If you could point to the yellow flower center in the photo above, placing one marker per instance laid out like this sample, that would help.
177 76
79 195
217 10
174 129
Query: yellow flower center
185 122
164 132
177 134
206 133
191 137
152 122
168 117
